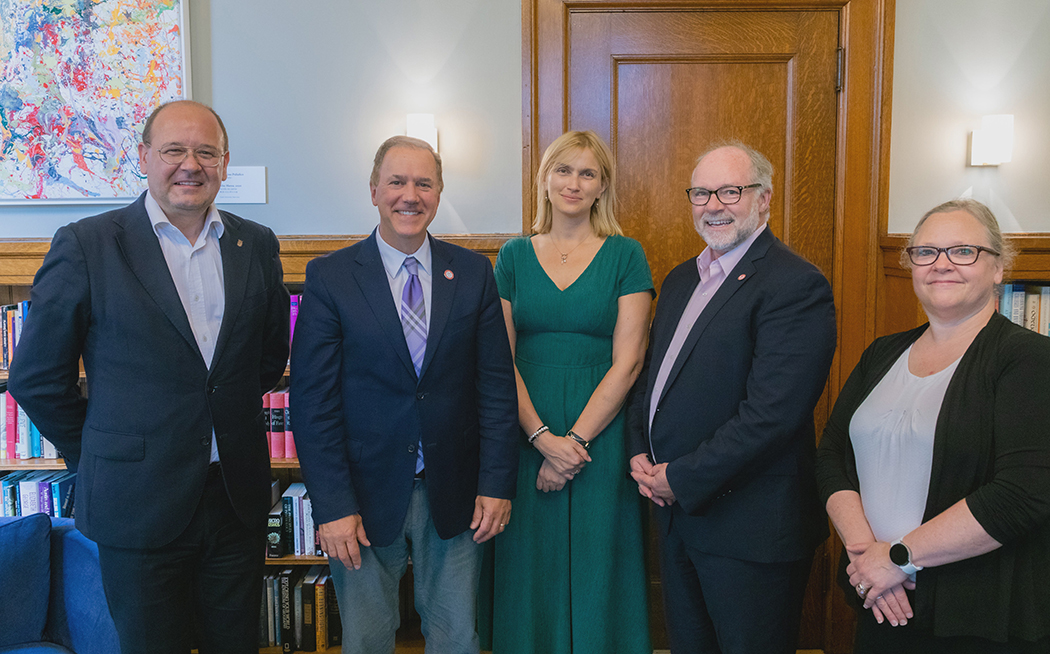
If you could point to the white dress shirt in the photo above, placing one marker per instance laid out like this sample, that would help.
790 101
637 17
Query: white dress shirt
196 269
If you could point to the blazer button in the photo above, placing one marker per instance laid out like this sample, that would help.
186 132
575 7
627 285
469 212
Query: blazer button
211 390
420 396
411 449
206 440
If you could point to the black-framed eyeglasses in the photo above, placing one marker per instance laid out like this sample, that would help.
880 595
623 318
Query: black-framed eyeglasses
726 195
960 255
174 155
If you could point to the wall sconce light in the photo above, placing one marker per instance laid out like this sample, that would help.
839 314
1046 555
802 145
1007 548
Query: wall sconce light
993 144
421 126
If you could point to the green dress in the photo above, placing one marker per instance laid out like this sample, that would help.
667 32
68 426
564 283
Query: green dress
568 572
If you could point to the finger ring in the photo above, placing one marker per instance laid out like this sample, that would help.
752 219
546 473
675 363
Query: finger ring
502 525
862 590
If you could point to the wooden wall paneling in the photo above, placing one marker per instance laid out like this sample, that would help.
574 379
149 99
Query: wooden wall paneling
20 259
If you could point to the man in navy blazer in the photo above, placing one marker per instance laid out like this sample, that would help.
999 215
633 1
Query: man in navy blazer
405 412
721 428
181 317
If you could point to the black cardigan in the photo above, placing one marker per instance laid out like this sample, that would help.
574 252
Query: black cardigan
991 446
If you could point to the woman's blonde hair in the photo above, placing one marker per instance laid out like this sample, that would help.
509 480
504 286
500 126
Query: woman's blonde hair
603 222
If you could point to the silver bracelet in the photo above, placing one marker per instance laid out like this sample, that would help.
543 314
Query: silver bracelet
579 439
536 434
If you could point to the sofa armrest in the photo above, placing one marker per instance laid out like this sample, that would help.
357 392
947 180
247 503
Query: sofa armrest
78 616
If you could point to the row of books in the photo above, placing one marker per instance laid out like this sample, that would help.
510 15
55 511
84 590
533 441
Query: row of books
290 528
299 611
24 492
279 430
11 318
19 437
1027 304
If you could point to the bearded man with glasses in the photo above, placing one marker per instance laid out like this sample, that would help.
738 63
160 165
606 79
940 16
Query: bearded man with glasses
720 422
180 314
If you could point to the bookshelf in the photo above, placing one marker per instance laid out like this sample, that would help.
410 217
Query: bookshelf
20 259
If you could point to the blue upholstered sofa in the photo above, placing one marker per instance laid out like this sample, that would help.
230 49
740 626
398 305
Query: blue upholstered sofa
51 597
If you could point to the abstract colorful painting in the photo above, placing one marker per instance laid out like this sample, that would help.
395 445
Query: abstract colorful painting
80 77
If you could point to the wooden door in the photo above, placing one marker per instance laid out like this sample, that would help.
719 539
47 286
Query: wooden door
662 80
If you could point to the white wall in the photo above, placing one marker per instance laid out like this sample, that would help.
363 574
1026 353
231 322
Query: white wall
310 90
954 61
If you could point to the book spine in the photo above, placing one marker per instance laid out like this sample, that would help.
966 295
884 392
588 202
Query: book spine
1044 310
309 641
322 613
277 424
287 502
1031 308
293 314
11 424
289 438
271 624
287 635
24 437
275 532
1017 310
335 626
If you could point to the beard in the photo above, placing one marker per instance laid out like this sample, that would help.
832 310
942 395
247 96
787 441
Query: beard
723 240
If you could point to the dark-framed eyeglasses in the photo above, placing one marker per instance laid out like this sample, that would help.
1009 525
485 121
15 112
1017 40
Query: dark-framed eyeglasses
960 255
174 155
726 195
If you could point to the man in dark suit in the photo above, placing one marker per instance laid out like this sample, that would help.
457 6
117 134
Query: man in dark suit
405 412
721 419
181 316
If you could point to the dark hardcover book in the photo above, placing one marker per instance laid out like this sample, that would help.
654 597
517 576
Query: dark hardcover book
275 532
275 591
287 523
309 640
335 625
288 580
320 607
264 632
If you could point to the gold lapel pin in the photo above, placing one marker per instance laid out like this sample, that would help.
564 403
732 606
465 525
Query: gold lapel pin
240 242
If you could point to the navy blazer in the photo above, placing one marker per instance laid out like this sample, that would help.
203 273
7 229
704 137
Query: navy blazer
359 409
735 422
141 442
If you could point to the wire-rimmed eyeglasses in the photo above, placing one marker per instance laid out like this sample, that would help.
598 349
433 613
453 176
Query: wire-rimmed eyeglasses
175 155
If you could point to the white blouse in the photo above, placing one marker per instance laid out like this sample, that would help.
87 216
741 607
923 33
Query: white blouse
892 436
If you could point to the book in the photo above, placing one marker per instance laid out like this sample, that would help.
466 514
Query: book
293 313
269 426
3 421
288 579
11 424
289 438
1044 311
62 491
268 586
335 625
275 531
297 605
290 506
321 610
1017 305
277 425
1031 307
308 643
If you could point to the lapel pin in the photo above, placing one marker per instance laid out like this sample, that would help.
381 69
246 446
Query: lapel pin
240 242
741 277
449 274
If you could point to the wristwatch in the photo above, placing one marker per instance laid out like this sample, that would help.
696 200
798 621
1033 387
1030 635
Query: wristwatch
901 557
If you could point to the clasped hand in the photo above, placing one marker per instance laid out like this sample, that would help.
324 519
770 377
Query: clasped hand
563 458
870 566
652 480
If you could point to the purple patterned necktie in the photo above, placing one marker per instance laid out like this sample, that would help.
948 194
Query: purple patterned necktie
414 314
414 324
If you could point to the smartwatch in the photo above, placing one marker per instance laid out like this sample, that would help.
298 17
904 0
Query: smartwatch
900 555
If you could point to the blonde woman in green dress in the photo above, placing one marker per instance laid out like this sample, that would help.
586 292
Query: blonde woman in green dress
568 572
